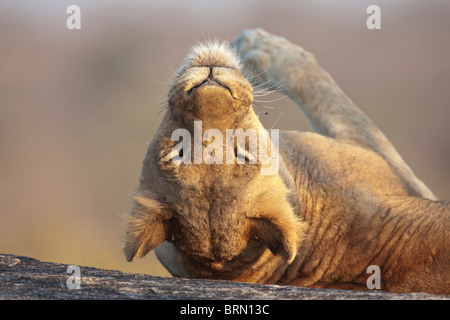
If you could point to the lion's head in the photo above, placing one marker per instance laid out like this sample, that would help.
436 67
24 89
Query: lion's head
220 215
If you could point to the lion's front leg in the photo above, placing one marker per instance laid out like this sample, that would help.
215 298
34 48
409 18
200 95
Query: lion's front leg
278 63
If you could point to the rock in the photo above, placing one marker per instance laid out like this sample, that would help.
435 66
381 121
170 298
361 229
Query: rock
24 278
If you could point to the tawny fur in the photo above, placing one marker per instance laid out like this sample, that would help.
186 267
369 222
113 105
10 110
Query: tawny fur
342 199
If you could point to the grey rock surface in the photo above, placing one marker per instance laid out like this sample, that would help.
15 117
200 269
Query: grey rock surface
24 278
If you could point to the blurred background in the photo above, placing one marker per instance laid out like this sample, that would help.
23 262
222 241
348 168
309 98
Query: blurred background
77 108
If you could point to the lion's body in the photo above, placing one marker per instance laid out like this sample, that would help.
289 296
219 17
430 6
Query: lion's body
342 200
358 214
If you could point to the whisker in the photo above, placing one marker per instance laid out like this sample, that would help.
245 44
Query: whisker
262 106
262 93
165 83
173 73
257 75
163 108
261 84
273 100
279 117
277 86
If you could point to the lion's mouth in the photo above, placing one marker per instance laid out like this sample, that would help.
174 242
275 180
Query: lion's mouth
210 81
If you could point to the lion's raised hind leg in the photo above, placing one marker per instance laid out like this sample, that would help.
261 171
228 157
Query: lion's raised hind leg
279 63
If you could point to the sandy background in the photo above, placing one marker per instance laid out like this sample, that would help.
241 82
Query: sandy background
78 107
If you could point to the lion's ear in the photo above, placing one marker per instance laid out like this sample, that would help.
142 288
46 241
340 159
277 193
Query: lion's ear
274 238
147 226
276 225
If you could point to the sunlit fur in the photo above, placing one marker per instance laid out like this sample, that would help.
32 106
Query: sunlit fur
342 200
222 219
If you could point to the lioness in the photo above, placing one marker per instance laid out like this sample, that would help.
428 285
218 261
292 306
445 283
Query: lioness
341 201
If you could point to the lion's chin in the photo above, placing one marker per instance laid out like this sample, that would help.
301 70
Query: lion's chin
211 100
210 82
